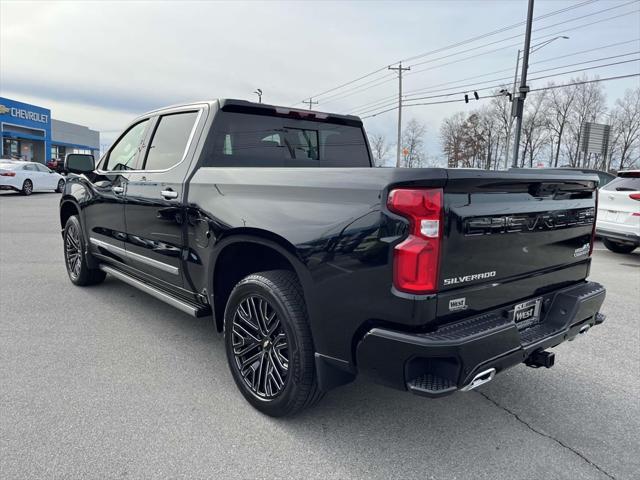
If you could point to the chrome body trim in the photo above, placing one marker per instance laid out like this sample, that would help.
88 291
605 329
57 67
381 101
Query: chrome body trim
165 267
199 108
154 292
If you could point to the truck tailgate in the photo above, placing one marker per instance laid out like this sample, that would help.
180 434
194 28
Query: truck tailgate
512 236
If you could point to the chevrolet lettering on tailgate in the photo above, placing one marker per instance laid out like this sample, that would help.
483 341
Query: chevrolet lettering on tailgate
529 222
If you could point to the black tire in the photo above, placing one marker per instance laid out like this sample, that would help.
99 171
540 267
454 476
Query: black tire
618 247
278 296
60 187
27 187
75 256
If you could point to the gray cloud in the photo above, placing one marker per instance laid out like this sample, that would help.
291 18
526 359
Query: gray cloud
125 58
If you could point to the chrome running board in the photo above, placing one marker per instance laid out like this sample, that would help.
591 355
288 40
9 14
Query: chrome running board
192 309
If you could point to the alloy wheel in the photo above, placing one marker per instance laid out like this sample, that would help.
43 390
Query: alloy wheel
27 187
260 347
60 186
72 250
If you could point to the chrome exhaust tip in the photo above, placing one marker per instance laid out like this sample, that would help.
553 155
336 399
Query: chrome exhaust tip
480 379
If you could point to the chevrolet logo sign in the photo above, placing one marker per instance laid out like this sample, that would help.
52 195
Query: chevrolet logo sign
4 110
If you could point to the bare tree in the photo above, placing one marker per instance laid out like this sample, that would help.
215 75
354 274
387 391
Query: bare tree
589 105
535 134
553 127
626 128
413 144
451 138
500 109
380 148
490 124
473 141
560 102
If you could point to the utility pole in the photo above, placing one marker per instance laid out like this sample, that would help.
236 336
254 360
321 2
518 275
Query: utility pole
518 104
310 102
399 69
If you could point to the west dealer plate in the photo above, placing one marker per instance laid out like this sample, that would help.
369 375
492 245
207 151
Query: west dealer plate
527 313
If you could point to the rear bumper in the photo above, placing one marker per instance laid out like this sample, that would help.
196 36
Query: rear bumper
440 362
624 237
9 186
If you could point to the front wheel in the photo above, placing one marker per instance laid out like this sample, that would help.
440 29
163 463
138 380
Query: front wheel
75 256
618 247
268 343
27 187
60 186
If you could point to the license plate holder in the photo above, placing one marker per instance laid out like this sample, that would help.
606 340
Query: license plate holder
527 313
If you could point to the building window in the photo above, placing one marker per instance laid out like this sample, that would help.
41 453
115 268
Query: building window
58 151
11 148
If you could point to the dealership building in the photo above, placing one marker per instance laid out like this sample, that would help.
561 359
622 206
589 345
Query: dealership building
29 132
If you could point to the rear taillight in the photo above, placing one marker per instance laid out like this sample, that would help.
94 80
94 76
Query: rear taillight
634 196
416 259
8 174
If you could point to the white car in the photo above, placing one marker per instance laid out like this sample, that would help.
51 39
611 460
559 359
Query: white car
29 177
618 221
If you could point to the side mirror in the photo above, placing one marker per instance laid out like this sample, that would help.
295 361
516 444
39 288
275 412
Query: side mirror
79 163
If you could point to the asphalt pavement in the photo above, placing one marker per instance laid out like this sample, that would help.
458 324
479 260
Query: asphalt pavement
108 382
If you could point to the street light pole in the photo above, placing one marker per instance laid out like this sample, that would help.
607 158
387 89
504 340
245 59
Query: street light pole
522 93
513 96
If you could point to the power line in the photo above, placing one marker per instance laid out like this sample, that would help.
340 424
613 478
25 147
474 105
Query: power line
549 87
544 28
470 57
470 40
587 51
337 96
537 71
428 89
478 89
500 30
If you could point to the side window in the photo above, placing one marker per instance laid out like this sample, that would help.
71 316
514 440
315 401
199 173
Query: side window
30 168
169 141
123 154
42 168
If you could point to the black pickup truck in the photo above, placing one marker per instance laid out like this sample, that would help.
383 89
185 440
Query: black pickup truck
317 267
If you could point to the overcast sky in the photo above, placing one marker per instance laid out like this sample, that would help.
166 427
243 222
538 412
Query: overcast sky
102 63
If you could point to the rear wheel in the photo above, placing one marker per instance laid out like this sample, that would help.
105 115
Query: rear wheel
618 247
268 342
27 187
60 186
75 256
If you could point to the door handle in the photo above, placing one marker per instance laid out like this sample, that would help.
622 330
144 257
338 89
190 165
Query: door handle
169 194
117 190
